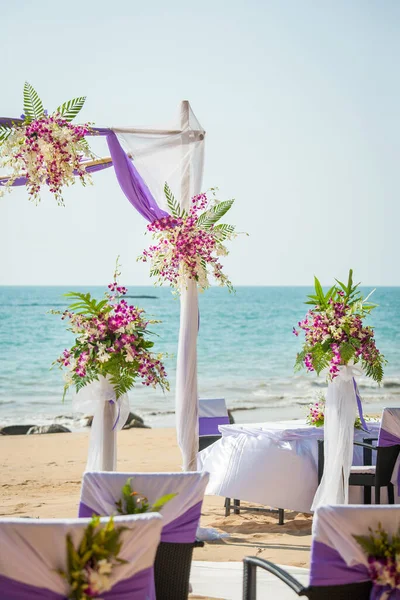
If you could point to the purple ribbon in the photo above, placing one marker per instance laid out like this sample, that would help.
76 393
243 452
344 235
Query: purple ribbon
140 587
209 425
360 410
118 415
386 439
181 530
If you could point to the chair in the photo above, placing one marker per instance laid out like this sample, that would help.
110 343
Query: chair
339 566
181 515
387 450
212 413
32 550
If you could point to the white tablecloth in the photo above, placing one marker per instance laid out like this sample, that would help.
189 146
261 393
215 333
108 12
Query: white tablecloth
273 464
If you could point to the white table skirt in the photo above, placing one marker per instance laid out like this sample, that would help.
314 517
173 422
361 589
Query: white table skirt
273 464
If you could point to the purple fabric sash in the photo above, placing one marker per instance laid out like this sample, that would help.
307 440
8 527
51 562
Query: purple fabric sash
209 425
181 530
359 405
140 587
386 439
329 568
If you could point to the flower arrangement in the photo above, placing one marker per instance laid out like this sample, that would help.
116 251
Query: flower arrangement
383 557
335 333
132 503
189 243
112 341
316 415
91 563
45 149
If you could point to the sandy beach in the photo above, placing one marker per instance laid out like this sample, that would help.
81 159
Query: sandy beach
40 476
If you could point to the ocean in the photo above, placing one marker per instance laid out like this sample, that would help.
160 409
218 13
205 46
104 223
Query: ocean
246 352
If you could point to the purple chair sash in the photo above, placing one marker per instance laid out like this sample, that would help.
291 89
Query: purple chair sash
140 587
209 425
386 439
181 530
329 568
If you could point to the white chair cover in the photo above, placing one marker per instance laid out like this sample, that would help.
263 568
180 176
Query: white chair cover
212 414
100 491
335 527
32 550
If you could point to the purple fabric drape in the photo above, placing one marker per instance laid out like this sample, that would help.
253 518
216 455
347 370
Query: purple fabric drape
386 439
128 177
181 530
328 567
209 425
140 586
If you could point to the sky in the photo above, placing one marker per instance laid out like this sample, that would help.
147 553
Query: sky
301 104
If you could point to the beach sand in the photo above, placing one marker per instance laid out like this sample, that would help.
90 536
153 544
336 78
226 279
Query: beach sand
40 476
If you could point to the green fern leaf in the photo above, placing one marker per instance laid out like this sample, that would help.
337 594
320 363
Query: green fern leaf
223 231
33 107
71 108
214 214
4 132
171 201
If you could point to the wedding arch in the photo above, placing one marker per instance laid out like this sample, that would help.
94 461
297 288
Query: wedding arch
143 160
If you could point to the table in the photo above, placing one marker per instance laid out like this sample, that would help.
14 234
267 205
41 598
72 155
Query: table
273 464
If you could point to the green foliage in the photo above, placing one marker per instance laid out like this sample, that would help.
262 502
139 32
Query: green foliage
172 203
98 542
374 370
347 351
320 358
214 214
224 231
378 544
71 108
87 305
5 131
132 503
33 107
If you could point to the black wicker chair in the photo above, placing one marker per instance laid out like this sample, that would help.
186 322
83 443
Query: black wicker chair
353 591
172 570
375 477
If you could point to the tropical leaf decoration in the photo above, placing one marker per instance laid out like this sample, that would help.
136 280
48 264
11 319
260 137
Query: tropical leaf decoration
132 503
33 106
5 131
172 203
70 109
214 214
223 231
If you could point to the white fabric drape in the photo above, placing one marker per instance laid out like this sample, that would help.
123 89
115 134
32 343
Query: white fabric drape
177 157
32 550
340 414
109 416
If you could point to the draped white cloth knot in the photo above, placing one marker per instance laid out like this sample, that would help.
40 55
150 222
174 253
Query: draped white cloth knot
340 414
109 416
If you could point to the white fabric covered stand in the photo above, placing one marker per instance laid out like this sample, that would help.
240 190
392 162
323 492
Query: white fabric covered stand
340 413
273 464
335 526
176 156
31 550
100 491
109 416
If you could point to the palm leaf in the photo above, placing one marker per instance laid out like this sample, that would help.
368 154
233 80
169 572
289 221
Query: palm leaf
4 132
71 108
223 231
172 203
214 214
33 107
